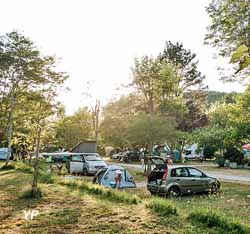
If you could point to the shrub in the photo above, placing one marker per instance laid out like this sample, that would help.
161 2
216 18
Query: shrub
162 207
211 218
234 155
220 161
209 151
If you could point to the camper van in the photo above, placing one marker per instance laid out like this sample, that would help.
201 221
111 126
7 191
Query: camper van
85 163
190 152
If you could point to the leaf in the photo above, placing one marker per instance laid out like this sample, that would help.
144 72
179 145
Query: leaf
239 52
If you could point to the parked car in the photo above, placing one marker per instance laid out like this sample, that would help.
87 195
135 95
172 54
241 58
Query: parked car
179 179
106 177
85 163
4 154
130 155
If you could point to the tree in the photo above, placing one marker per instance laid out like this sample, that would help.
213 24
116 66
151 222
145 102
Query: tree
144 130
22 69
184 62
116 117
230 32
70 130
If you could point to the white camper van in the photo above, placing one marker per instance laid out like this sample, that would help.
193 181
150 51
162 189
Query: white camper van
190 152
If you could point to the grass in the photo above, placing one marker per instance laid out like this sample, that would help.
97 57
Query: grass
212 218
80 207
105 193
162 207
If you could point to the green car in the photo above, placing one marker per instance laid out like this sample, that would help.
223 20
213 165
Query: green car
177 180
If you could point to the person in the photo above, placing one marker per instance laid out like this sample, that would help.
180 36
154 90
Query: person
118 178
169 161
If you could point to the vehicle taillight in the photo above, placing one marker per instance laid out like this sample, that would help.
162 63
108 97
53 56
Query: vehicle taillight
165 175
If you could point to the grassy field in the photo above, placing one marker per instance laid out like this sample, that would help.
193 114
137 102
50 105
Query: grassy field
74 206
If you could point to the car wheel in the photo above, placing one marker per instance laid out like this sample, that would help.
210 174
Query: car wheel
174 191
85 172
214 188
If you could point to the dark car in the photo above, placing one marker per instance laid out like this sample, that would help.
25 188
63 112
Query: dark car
130 155
179 179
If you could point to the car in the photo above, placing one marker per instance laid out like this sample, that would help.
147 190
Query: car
179 179
130 155
85 163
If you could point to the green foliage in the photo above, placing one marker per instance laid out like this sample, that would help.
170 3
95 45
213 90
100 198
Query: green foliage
71 130
144 129
209 151
109 194
210 219
233 154
162 207
229 31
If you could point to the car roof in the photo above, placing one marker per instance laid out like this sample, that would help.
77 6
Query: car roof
181 166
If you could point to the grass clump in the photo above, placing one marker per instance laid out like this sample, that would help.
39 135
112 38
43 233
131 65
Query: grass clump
24 167
216 219
162 207
46 178
106 193
28 193
8 167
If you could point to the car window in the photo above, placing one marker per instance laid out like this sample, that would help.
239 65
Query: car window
77 158
179 172
194 172
92 158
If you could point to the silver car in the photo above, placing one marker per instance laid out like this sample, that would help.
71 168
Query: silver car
179 179
85 163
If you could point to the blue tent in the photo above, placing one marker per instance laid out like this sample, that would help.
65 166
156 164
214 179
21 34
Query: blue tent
106 177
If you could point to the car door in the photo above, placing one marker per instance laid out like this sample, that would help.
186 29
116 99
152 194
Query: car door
198 181
76 164
181 177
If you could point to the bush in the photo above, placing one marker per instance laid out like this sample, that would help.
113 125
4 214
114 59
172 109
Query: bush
106 193
209 151
234 155
220 161
215 219
162 207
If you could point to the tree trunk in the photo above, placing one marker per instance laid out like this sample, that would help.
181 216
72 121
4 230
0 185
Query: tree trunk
10 131
35 191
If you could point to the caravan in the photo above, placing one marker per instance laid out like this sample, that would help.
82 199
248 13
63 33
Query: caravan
192 152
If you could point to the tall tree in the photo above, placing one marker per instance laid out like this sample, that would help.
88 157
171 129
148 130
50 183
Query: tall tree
230 32
23 68
185 62
70 130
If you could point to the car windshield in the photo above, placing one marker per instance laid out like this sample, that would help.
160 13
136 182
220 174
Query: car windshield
157 161
93 158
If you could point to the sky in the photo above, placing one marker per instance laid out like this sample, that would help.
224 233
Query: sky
97 40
